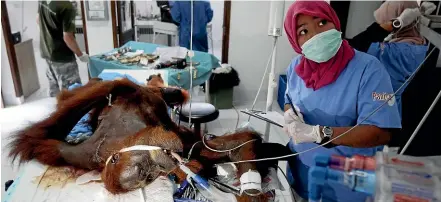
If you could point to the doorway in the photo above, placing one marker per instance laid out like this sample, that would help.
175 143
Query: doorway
30 66
150 25
126 21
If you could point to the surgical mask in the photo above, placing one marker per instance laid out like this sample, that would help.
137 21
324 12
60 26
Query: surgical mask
322 47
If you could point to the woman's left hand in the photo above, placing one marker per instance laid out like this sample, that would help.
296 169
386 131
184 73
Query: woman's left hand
302 132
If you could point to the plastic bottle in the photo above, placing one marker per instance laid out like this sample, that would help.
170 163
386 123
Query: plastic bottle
360 181
208 191
356 162
400 184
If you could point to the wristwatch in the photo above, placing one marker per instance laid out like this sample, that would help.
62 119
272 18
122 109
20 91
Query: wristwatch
327 133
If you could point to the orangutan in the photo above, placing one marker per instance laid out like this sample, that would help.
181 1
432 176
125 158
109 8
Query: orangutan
127 114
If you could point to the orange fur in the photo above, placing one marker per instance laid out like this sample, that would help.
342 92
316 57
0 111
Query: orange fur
156 81
66 94
42 140
110 175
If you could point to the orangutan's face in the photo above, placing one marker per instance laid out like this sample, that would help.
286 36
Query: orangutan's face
132 170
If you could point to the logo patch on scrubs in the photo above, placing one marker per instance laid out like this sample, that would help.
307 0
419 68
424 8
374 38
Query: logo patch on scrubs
383 97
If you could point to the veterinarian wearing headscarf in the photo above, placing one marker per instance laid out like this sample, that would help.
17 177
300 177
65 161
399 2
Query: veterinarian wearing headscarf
333 87
379 30
405 49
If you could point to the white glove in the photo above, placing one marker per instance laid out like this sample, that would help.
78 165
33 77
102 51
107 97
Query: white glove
427 7
84 58
290 116
302 132
408 16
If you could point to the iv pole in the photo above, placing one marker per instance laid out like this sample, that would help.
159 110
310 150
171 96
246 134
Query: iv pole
275 28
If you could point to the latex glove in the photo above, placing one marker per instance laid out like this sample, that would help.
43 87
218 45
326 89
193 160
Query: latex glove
302 132
408 16
427 7
290 116
84 57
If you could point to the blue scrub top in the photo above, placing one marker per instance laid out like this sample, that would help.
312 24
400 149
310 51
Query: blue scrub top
202 15
400 60
361 87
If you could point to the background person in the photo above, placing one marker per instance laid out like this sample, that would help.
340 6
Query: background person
58 46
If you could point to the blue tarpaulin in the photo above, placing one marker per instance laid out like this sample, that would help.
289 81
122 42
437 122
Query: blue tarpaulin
176 77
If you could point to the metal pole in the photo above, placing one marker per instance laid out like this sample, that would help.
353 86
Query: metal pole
271 85
207 100
421 123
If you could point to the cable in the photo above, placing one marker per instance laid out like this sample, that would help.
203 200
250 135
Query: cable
421 123
352 128
191 149
191 62
286 178
263 77
238 116
227 150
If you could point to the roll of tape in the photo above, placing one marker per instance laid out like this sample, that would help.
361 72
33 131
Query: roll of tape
251 180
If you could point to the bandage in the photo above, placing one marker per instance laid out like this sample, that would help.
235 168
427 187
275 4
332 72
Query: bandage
250 180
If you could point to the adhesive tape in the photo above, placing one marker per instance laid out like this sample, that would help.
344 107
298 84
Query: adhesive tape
250 180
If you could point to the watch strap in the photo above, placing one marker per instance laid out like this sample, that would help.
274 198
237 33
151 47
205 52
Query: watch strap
329 145
327 137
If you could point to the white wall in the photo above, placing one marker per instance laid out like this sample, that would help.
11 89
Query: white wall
250 47
22 17
7 85
217 26
361 15
146 8
100 35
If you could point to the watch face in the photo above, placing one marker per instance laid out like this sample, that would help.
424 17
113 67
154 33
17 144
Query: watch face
327 131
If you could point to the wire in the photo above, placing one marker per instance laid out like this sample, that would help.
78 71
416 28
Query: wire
263 77
191 149
341 135
191 61
238 116
421 123
286 178
227 150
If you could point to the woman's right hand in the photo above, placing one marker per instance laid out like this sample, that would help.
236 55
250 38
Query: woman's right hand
290 116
